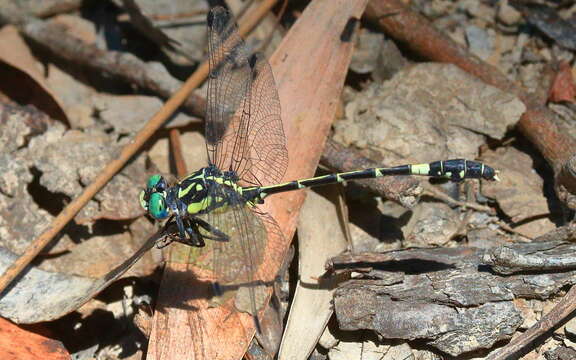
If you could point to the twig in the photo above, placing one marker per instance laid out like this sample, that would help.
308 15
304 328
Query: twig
402 189
176 146
182 15
511 230
127 152
153 33
124 66
435 193
268 40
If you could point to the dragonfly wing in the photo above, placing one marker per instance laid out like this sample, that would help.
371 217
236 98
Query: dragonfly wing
266 143
236 262
243 126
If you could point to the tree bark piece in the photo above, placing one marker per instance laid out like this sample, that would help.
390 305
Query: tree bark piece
445 297
538 256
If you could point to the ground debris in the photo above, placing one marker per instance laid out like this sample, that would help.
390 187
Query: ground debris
419 116
560 353
446 297
519 194
547 20
431 224
128 113
69 160
539 256
37 295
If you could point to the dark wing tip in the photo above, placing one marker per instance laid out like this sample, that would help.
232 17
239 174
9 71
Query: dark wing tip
218 18
252 62
253 59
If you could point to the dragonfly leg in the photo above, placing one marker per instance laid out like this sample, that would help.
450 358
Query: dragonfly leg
164 241
181 229
168 234
218 235
194 237
189 232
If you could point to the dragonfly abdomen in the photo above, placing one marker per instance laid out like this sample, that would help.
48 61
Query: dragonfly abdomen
455 170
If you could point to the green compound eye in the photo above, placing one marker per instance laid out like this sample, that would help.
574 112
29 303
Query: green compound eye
143 202
157 206
153 181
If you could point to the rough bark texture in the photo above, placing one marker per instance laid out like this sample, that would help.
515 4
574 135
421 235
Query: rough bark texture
449 298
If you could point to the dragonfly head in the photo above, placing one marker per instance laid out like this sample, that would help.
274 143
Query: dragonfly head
153 198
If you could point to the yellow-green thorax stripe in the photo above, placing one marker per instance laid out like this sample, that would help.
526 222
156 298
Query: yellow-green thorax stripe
194 191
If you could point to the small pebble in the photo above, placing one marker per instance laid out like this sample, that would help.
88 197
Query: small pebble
479 41
570 327
507 15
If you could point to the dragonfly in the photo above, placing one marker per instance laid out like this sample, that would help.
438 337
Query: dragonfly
247 160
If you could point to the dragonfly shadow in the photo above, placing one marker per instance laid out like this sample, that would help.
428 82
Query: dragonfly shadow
324 283
186 289
407 266
224 288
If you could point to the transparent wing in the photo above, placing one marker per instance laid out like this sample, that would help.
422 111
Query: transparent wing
243 126
237 261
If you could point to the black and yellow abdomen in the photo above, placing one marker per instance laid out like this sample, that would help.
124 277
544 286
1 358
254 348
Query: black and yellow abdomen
455 170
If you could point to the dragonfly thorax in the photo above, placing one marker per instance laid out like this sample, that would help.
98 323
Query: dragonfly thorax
207 190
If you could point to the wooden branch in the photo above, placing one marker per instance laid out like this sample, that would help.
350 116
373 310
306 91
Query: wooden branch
124 66
563 309
402 189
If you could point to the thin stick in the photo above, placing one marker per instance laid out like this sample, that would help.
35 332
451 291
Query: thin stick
127 152
561 311
435 193
176 146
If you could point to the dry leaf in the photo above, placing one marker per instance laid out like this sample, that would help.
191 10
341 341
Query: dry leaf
18 343
321 236
307 87
22 75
